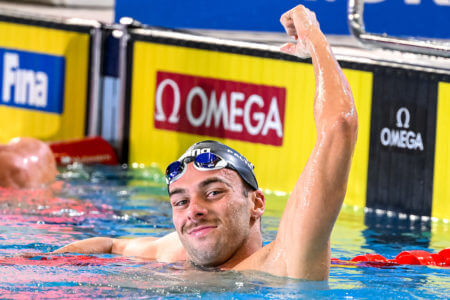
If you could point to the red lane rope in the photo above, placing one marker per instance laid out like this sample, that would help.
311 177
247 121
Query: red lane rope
411 257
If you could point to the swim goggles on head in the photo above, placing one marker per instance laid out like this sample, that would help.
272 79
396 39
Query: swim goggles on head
212 155
202 162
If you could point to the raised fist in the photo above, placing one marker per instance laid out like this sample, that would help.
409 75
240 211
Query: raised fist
300 23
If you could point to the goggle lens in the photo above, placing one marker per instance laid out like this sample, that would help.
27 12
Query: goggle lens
206 160
173 171
203 161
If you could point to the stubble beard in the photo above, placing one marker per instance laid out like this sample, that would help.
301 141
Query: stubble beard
208 254
221 250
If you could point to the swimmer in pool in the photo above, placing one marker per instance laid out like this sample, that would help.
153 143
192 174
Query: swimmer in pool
26 163
217 205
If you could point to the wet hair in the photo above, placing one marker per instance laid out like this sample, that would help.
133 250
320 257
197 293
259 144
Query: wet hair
246 189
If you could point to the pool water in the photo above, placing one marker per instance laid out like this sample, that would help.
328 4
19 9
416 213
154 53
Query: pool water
121 202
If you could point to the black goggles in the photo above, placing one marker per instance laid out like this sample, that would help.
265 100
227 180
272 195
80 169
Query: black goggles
203 162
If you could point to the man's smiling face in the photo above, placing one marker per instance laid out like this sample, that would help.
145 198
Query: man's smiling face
211 214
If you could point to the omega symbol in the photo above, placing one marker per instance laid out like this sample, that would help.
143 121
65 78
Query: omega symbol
160 115
403 111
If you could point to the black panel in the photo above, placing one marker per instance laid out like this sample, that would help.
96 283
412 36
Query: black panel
400 176
111 49
127 112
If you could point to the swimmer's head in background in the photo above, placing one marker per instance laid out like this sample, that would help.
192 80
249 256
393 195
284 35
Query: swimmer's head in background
212 155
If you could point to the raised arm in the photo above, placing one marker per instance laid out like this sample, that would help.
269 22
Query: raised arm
302 245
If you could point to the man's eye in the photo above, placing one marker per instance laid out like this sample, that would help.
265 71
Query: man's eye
180 203
213 193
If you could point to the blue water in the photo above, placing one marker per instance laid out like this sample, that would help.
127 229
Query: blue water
121 202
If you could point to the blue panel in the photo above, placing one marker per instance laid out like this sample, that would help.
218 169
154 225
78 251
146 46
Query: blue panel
426 19
429 18
32 80
261 15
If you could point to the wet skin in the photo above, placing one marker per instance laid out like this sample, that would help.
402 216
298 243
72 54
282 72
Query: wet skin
216 223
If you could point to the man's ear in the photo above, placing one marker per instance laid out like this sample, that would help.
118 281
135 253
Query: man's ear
259 204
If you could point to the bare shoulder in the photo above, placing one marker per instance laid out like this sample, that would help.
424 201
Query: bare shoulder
266 258
166 249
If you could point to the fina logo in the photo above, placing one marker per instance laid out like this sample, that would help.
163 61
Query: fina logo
401 137
31 80
30 87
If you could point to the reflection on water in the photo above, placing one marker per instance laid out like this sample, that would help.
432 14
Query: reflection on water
396 232
121 202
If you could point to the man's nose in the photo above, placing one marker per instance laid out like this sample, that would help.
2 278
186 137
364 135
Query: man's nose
197 209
